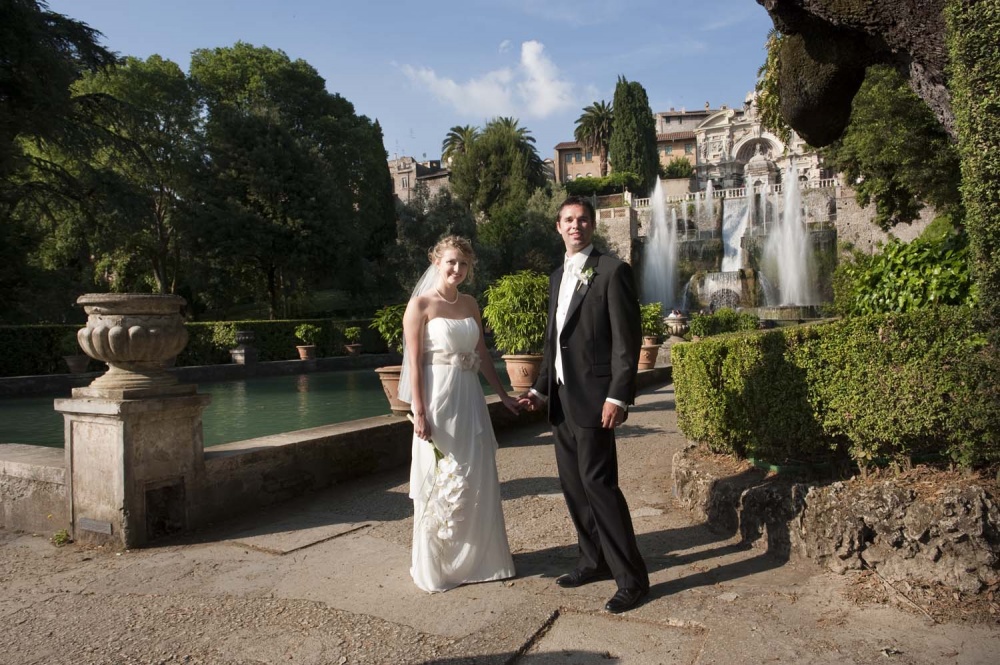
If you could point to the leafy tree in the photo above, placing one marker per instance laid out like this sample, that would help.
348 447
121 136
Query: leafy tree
289 174
459 138
421 222
767 89
500 169
896 152
41 54
593 131
141 177
633 135
679 167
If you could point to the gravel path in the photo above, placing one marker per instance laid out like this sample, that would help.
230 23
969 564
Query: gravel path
228 595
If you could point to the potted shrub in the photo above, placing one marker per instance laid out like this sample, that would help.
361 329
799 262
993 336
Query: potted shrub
517 309
308 334
651 320
72 354
353 336
388 321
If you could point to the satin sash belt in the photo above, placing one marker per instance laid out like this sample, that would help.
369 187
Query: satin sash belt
463 360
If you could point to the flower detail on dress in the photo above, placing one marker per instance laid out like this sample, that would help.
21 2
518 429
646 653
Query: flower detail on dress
445 500
466 360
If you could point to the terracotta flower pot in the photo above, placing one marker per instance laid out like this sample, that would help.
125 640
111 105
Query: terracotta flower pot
390 386
307 352
523 371
647 356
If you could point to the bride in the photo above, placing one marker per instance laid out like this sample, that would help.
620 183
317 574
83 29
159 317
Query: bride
458 527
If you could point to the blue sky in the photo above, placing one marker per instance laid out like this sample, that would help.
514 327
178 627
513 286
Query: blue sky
423 67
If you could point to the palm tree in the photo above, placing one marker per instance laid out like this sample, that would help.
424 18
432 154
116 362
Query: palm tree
593 131
525 141
457 141
513 125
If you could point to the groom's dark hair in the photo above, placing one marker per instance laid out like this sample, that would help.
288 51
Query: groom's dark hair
584 201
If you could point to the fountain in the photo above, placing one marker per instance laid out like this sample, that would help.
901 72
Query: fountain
710 200
788 248
659 275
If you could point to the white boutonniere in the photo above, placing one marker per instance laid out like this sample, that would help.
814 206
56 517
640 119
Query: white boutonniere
584 276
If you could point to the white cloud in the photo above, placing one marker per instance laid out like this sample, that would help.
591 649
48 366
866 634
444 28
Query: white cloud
504 46
542 90
534 88
486 96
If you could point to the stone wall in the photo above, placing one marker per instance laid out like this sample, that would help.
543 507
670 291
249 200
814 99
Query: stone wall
949 535
855 226
33 488
619 227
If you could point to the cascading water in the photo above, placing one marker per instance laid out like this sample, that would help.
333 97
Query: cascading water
735 219
659 275
788 247
710 201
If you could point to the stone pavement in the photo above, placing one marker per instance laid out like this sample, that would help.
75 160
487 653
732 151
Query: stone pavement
324 580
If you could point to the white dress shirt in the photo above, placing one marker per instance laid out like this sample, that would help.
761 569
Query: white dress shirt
572 265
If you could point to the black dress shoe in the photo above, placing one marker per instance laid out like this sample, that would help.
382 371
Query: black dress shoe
625 600
580 577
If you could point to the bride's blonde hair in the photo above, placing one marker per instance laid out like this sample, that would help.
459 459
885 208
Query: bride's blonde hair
454 242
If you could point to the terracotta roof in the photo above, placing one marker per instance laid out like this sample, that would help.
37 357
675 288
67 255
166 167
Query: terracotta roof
675 136
566 145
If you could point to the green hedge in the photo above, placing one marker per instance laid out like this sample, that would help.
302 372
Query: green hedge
878 388
31 350
724 321
35 350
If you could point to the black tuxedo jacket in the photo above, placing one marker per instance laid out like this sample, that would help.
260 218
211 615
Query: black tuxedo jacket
600 341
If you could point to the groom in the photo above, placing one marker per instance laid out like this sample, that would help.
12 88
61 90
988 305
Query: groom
588 379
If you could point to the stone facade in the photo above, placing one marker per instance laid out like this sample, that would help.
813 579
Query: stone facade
407 173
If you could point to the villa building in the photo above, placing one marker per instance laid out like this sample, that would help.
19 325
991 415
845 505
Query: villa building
718 143
406 172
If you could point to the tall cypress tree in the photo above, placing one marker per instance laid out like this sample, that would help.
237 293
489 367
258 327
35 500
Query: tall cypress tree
633 133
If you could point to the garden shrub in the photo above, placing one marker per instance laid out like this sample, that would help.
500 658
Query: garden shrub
929 271
746 394
881 387
723 321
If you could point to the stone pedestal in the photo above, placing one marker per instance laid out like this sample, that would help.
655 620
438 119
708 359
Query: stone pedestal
134 450
134 467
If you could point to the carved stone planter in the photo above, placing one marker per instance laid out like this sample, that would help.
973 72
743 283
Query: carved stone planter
134 334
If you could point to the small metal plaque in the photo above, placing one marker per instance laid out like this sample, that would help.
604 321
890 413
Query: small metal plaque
98 526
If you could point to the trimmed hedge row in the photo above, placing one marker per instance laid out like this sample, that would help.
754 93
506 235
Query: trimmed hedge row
34 350
876 388
723 321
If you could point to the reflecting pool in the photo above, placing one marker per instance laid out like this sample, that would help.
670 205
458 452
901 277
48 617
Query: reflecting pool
239 410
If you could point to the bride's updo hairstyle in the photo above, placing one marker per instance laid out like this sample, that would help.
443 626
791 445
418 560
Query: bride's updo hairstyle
454 242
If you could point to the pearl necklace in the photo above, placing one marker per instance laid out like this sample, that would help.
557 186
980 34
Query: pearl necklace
450 302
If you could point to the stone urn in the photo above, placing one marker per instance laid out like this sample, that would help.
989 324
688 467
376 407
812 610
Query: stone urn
677 324
135 334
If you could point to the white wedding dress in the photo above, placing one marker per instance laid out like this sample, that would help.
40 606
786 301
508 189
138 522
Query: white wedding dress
458 527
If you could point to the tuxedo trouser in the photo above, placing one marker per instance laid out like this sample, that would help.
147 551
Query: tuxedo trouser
587 460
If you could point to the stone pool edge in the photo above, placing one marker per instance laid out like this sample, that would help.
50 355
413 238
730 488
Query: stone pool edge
245 475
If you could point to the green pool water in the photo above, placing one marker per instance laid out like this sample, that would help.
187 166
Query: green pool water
239 410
